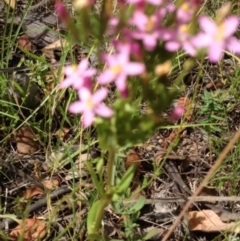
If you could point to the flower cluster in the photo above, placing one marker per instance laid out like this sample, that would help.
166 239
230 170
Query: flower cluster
148 30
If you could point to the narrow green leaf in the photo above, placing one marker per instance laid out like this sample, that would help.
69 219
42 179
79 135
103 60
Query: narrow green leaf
92 216
150 234
138 205
126 180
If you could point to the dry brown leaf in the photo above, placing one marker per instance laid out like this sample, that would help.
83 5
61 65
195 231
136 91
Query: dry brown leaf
33 191
61 133
24 42
185 103
25 138
48 51
133 158
11 3
209 221
30 230
51 184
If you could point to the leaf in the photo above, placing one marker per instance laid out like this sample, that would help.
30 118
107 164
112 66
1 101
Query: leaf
33 191
25 138
91 218
11 3
24 42
134 158
150 234
48 51
29 229
126 180
138 205
209 221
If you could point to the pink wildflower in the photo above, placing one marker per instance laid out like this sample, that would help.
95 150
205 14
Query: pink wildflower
217 37
148 27
91 105
185 11
62 12
177 113
119 67
78 76
181 38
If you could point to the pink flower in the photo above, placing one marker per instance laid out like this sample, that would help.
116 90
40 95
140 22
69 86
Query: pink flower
62 12
185 11
181 38
91 105
217 37
78 76
148 27
177 113
120 67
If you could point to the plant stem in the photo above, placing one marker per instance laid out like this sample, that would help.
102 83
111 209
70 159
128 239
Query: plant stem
110 169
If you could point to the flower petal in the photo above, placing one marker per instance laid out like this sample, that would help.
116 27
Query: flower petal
233 45
172 46
215 52
121 82
76 107
207 24
84 94
88 118
230 26
106 77
134 68
82 65
103 110
99 95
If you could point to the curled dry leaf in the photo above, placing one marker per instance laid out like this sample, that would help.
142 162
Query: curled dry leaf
24 42
209 221
48 51
29 230
11 3
33 191
133 158
62 133
26 140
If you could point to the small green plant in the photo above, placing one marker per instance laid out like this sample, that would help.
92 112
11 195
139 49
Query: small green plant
213 111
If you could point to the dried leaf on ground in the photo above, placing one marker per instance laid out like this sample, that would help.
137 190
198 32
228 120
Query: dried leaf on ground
185 103
134 158
29 230
48 51
26 140
11 3
25 43
33 191
209 221
62 133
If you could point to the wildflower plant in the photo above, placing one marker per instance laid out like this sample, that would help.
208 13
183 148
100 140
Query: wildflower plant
145 36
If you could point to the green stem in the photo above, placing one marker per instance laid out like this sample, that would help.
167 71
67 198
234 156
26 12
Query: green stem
100 213
110 169
107 198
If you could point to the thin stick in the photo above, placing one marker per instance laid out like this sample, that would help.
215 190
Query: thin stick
213 169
